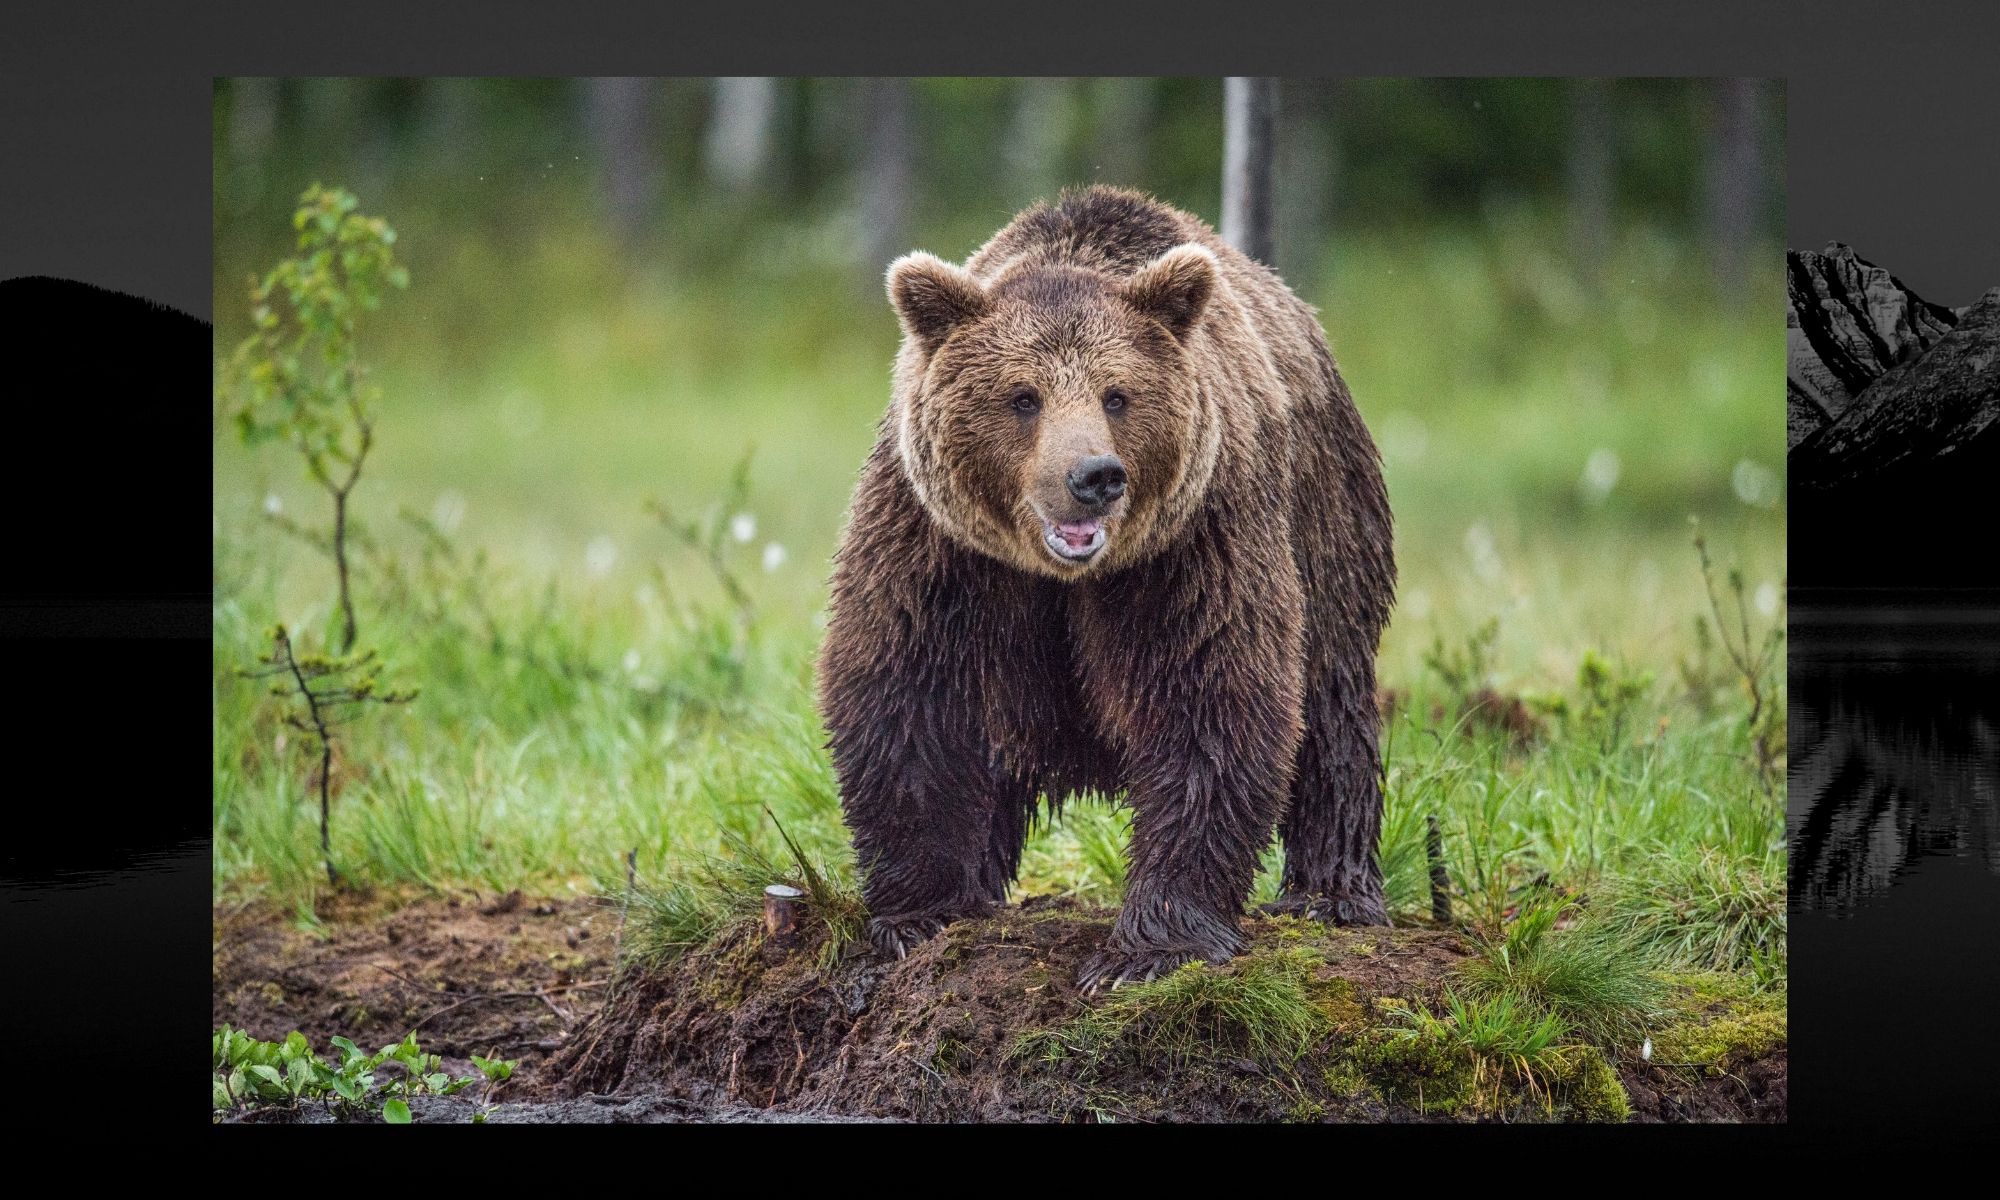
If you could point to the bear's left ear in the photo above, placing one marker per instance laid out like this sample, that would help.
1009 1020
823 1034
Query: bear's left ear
932 297
1175 287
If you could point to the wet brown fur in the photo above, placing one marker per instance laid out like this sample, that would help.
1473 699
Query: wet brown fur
1215 661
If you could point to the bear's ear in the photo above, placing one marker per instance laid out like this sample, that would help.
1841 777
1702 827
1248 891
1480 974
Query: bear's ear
932 297
1173 288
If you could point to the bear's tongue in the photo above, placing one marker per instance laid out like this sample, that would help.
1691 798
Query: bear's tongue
1077 534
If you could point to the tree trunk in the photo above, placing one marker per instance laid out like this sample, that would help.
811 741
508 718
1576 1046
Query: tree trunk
1250 109
887 172
1122 111
1038 137
619 115
1735 180
737 150
1589 169
1306 176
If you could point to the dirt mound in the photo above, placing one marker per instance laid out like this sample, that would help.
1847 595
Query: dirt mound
984 1023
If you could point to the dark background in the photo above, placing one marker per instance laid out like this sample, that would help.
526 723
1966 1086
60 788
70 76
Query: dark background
105 122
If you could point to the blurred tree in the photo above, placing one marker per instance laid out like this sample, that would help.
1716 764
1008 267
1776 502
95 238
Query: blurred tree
1250 107
1121 113
1734 178
1589 163
1039 134
619 115
1307 154
741 129
888 171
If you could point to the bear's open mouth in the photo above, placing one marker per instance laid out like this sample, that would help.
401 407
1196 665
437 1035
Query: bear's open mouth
1074 541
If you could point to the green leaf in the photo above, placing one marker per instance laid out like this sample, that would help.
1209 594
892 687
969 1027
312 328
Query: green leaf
437 1083
219 1093
396 1112
267 1081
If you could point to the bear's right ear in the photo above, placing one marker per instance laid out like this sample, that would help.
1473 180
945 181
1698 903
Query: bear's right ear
932 297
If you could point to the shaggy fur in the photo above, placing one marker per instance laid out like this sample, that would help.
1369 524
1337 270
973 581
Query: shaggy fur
1214 659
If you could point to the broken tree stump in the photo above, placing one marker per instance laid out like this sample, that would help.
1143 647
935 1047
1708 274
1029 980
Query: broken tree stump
782 902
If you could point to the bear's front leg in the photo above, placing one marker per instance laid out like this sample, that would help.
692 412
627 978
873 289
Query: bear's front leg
1206 707
919 789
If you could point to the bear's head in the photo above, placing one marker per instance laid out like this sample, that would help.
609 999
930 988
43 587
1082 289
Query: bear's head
1049 418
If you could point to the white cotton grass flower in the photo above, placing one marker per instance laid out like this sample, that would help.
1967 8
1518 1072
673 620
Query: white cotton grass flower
272 505
1755 484
743 527
632 661
600 555
449 511
774 556
1416 604
1600 473
1767 598
1646 1051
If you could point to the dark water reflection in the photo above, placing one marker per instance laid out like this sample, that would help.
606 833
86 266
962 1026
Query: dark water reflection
1895 746
1894 827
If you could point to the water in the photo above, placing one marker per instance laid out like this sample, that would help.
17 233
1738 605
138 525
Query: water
1894 826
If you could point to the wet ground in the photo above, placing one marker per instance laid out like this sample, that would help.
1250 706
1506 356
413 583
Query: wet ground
752 1029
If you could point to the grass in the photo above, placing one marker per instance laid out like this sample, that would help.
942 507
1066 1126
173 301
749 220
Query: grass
1586 978
1706 910
598 682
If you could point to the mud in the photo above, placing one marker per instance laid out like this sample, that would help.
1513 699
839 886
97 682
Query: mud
473 973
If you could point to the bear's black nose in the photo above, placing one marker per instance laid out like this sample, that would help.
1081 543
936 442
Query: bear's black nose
1097 480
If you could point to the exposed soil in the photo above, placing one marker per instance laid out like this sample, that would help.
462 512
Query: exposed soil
500 976
752 1029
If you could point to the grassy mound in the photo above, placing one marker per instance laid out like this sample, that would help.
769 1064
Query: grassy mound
984 1023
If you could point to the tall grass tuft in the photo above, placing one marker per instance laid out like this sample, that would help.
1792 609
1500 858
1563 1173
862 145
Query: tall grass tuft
1704 910
1585 976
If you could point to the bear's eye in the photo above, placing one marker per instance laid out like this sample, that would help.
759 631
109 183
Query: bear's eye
1114 400
1026 401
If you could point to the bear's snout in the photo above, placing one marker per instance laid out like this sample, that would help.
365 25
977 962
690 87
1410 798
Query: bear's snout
1097 481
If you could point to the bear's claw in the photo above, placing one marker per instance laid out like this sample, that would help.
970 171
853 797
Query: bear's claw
896 938
1120 967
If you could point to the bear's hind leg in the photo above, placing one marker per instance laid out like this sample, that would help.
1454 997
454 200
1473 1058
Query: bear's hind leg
1335 815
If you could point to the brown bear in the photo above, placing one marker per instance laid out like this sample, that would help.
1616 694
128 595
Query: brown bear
1122 530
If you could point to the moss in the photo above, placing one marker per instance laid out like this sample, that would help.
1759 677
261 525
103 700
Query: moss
1343 1080
1425 1072
1588 1086
1335 998
1722 1022
732 964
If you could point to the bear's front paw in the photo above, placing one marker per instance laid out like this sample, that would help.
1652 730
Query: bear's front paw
895 938
1118 967
1346 908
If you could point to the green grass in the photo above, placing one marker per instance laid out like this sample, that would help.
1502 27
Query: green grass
1704 909
589 689
1261 1007
1586 978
